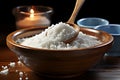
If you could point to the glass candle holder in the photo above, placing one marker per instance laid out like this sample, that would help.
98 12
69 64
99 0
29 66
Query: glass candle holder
32 16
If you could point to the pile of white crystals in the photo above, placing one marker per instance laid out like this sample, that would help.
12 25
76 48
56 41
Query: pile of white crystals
7 68
53 37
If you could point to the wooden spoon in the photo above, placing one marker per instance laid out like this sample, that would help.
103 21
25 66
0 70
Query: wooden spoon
72 19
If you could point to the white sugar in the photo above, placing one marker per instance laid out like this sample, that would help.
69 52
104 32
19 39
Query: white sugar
20 78
20 63
12 64
26 78
53 37
4 72
4 67
21 74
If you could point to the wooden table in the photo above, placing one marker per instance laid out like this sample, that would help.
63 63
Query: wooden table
107 69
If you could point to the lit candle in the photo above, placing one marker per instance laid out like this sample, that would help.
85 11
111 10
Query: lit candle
33 21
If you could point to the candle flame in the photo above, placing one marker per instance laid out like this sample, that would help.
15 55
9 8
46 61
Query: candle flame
31 13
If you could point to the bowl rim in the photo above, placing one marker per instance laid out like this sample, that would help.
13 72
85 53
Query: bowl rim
17 32
49 9
97 18
118 25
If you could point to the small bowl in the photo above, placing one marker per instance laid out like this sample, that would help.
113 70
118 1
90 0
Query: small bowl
92 22
114 30
59 63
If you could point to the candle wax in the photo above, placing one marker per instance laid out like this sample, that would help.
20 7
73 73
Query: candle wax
33 22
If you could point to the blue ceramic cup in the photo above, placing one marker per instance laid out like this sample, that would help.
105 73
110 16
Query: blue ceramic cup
92 22
114 30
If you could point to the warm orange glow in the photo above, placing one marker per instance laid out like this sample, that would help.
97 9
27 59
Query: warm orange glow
31 13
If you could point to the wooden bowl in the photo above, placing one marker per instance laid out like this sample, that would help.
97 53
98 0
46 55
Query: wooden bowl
59 63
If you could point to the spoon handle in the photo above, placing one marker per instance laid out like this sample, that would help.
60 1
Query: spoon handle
76 10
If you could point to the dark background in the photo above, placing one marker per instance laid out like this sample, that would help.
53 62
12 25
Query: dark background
108 9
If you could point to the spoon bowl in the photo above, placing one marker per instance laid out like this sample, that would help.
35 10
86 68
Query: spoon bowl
77 29
71 20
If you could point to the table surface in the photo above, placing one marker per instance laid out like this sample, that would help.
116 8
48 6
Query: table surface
107 69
